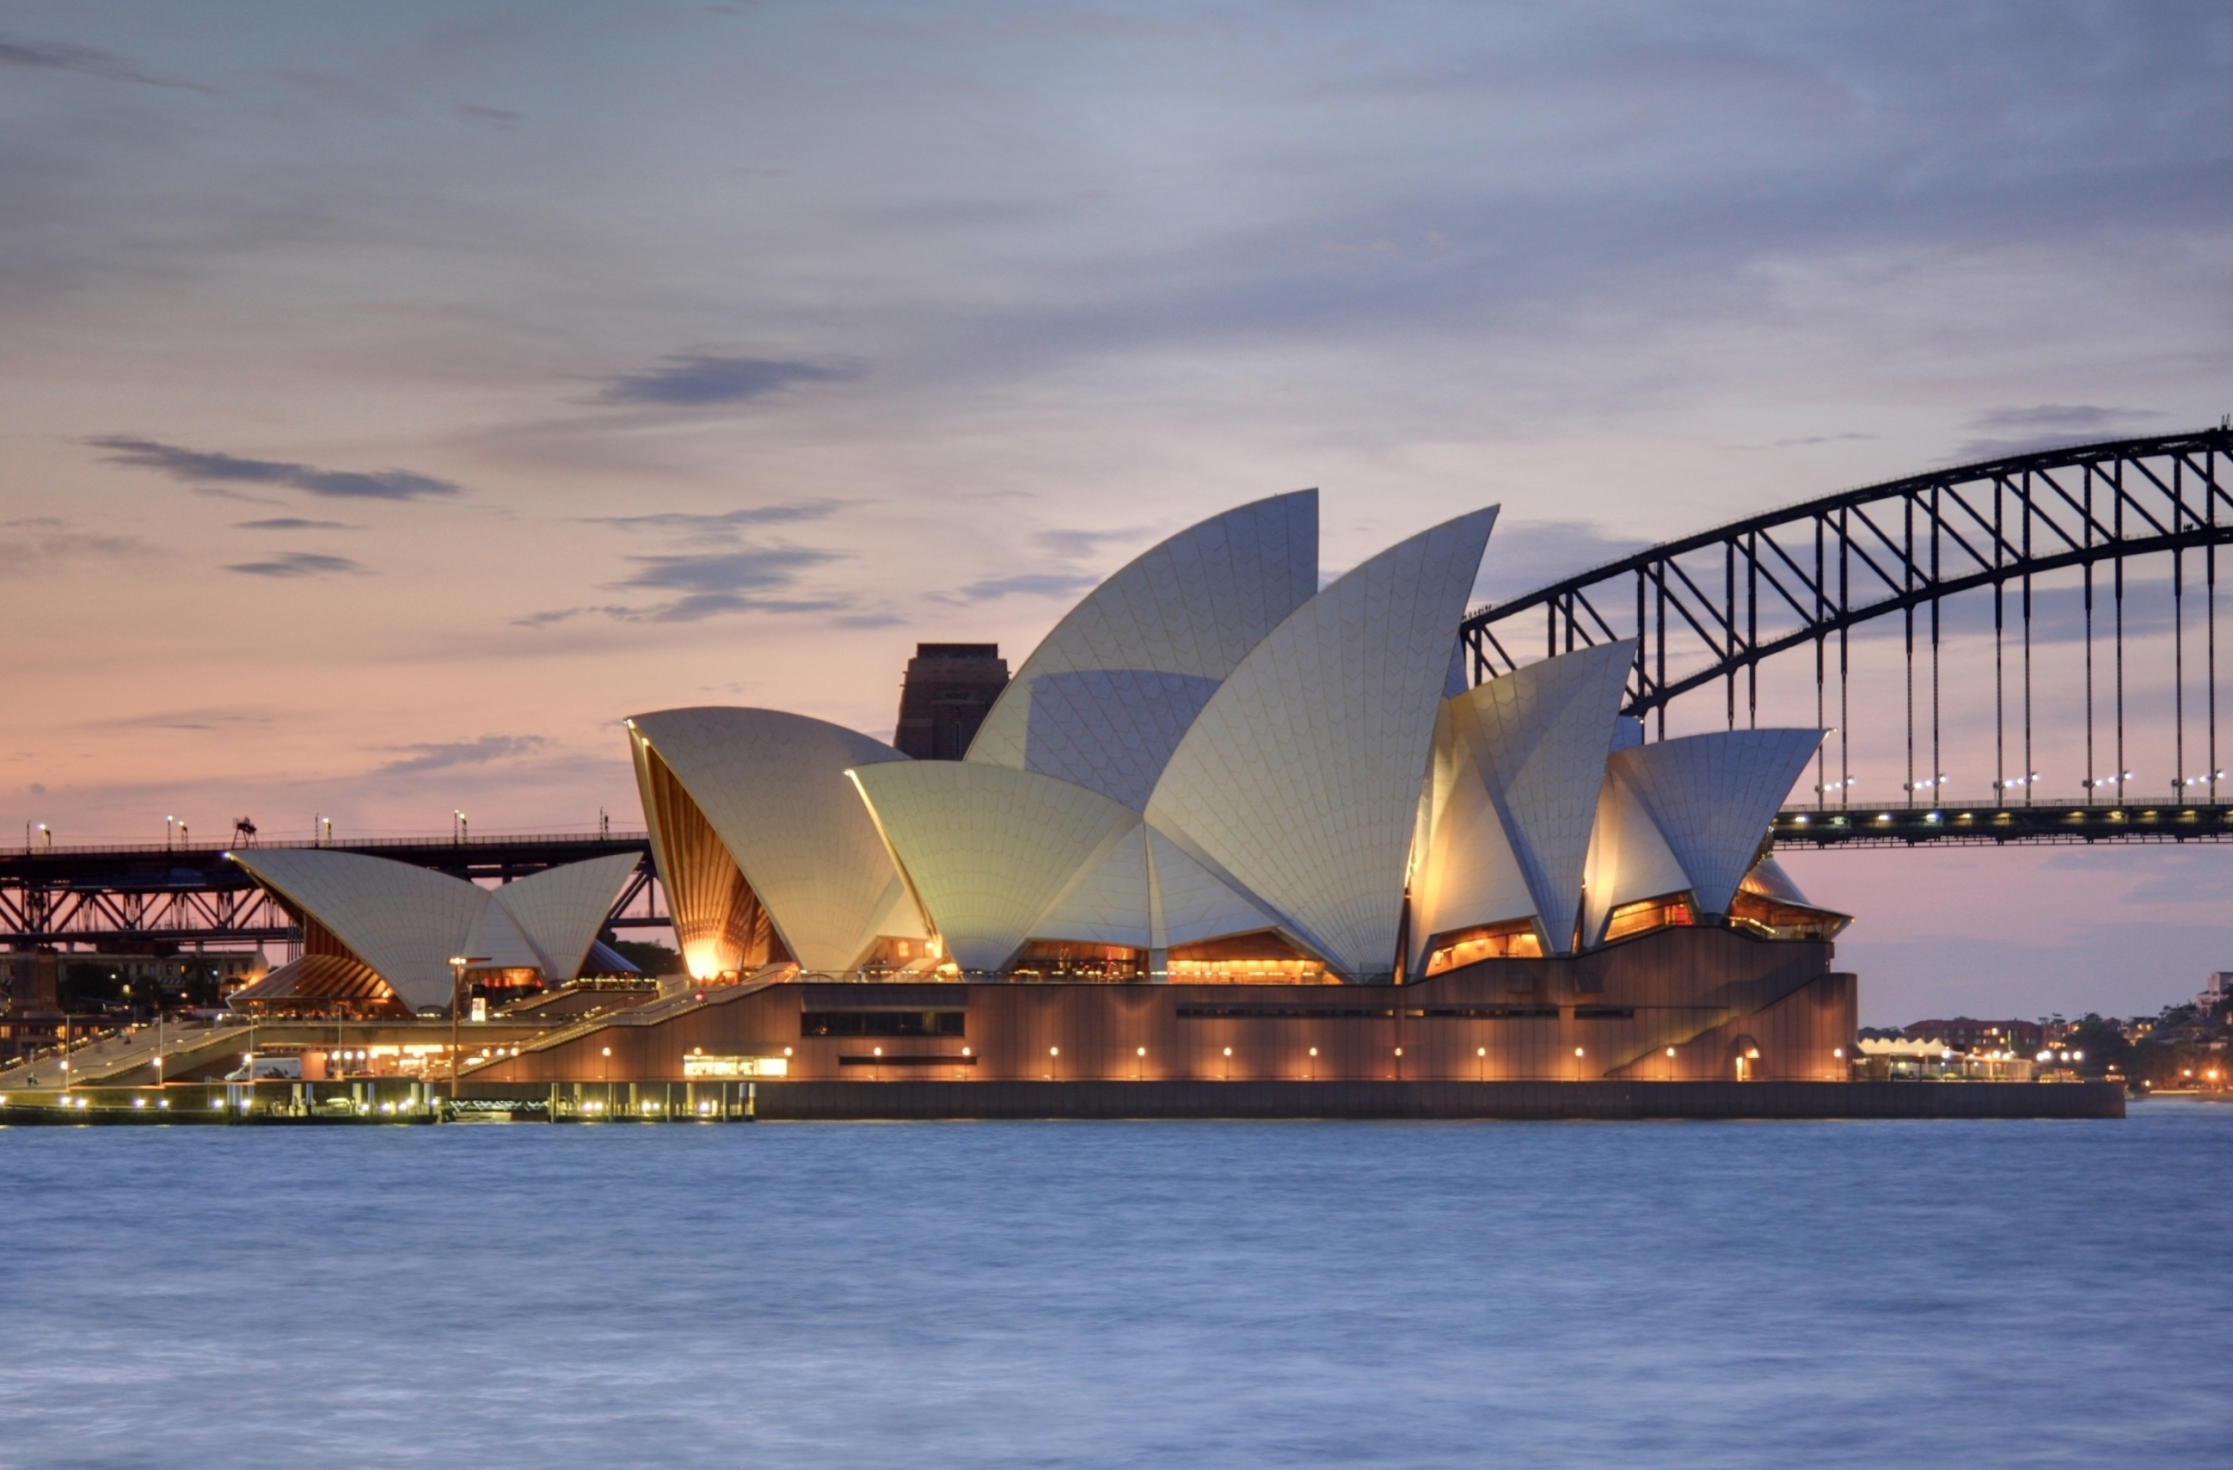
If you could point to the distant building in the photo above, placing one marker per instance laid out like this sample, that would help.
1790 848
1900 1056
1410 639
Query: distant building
1964 1034
950 689
2214 992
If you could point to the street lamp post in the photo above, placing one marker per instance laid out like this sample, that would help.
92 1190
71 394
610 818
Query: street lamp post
457 991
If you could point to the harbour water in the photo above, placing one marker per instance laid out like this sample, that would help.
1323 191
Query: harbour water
1119 1295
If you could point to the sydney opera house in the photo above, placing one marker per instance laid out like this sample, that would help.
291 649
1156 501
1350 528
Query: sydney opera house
1224 823
385 939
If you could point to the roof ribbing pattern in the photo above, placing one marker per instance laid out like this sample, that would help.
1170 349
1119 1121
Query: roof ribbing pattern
1191 903
1189 609
1301 776
1628 858
1109 902
497 942
989 850
772 785
1712 796
1469 875
1537 739
1112 729
406 923
561 909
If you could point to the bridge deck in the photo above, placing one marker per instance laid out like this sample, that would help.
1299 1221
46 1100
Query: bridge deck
2040 823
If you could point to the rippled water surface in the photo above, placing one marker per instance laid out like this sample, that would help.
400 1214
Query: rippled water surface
1121 1295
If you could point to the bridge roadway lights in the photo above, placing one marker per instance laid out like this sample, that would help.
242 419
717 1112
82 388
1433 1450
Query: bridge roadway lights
2037 823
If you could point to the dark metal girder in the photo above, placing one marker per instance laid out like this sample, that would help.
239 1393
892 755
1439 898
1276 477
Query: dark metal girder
1928 559
1987 825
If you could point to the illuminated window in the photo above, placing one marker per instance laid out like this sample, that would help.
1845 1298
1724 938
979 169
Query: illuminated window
1775 918
1261 958
1516 940
1669 911
1065 959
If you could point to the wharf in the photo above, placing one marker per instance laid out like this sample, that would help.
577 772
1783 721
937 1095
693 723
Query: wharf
391 1102
1608 1101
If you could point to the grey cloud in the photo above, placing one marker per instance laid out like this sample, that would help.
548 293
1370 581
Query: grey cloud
497 116
545 619
2011 431
1086 543
722 527
461 753
1025 584
749 569
52 542
297 564
85 60
699 380
192 464
713 604
2060 418
1813 439
714 583
292 523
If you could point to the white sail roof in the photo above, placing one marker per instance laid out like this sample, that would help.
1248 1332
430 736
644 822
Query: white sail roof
1108 903
1108 695
561 909
1191 903
988 850
1628 858
497 942
773 786
1537 739
407 923
1467 875
1713 796
1301 776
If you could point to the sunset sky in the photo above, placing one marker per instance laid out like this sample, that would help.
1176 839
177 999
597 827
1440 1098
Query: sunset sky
393 398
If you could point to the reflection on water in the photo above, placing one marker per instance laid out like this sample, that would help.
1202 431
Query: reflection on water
1120 1295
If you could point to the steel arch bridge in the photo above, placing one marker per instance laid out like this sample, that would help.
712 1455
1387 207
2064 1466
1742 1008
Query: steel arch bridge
1708 611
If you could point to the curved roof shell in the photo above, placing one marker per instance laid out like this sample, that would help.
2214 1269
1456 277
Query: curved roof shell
1109 694
1190 903
990 851
772 786
1301 777
1713 796
1468 874
1110 903
496 942
1629 860
1536 740
406 923
560 910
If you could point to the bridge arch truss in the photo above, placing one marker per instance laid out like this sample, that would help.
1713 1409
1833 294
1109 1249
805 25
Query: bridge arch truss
1709 610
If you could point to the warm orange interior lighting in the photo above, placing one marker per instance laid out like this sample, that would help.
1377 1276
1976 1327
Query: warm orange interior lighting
1067 959
1515 939
1668 911
1778 919
1261 958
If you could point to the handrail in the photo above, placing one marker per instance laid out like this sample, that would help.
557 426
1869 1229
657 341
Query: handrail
494 839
